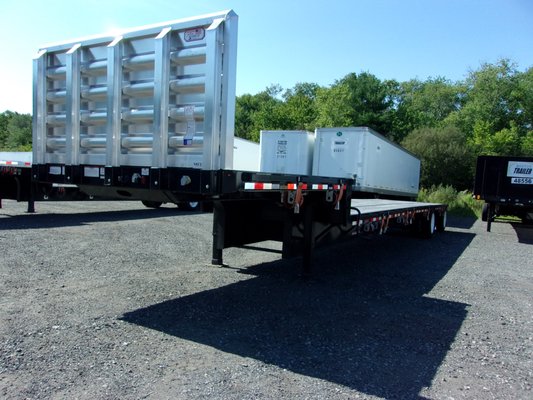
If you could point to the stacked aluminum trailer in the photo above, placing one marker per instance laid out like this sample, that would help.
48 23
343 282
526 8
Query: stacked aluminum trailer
149 115
127 115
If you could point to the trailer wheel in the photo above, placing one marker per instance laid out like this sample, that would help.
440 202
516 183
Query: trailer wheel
152 204
189 205
441 221
485 212
527 219
428 226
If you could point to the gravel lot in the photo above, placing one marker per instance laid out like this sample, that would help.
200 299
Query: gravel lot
109 300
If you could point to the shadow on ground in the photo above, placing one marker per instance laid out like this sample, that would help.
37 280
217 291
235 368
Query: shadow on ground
52 220
460 222
524 232
365 321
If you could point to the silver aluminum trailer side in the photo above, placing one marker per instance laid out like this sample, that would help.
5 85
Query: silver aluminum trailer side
146 114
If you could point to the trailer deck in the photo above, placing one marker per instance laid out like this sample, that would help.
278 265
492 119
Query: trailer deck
377 206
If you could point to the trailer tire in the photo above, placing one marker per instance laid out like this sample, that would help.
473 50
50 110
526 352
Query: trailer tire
441 221
190 205
152 204
527 219
429 226
485 212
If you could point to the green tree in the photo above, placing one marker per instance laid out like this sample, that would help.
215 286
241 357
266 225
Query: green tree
527 144
300 106
424 104
5 117
445 157
245 108
15 131
498 105
264 110
356 100
333 106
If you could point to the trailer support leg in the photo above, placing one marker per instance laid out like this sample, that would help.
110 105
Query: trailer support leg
31 200
309 241
489 217
219 220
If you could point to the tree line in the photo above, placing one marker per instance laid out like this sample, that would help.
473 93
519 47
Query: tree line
447 124
15 131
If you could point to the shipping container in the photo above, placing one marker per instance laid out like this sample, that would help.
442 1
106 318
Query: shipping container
375 163
287 152
246 155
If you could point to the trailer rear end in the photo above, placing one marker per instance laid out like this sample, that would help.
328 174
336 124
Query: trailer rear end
15 176
506 186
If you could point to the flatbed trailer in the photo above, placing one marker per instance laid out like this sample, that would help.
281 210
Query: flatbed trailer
309 212
301 212
149 115
17 183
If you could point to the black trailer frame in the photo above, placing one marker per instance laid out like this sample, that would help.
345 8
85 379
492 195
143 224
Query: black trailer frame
301 212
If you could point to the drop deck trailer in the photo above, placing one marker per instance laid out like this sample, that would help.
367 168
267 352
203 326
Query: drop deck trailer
301 212
149 114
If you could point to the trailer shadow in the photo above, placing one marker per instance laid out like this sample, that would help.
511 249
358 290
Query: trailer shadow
461 222
365 321
524 232
58 220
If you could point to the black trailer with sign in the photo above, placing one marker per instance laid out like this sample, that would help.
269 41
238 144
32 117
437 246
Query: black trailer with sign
506 185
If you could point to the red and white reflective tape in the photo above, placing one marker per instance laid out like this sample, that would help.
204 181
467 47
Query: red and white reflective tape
261 186
288 186
319 187
26 164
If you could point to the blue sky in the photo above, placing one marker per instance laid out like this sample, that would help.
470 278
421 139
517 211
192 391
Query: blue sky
291 41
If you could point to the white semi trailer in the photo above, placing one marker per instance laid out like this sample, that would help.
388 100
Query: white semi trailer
149 115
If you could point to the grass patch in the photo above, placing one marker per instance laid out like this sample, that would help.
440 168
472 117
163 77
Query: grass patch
459 203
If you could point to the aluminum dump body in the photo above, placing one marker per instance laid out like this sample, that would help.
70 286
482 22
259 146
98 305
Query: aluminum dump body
157 96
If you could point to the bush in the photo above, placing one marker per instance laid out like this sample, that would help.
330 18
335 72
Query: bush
446 158
459 203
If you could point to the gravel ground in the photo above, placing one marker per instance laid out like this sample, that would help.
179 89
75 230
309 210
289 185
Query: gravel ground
109 300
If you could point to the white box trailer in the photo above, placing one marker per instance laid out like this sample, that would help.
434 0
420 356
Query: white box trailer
377 164
287 152
246 155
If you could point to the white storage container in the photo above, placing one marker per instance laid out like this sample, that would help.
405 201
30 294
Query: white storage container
377 164
245 155
287 152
